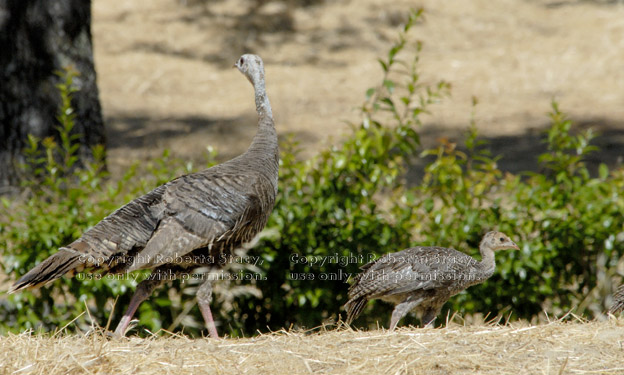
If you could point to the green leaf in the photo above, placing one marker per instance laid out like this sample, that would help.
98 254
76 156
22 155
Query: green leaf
383 64
369 93
389 85
603 171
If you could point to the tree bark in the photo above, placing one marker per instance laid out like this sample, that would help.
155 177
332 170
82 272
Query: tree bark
38 38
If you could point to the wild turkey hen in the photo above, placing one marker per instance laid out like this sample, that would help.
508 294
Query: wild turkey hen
423 278
188 222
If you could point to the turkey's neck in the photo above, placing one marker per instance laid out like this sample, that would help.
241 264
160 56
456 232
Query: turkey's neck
263 107
487 264
264 143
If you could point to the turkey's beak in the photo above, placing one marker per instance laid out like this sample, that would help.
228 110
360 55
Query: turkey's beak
515 247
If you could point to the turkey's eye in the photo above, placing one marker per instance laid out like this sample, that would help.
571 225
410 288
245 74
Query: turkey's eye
502 239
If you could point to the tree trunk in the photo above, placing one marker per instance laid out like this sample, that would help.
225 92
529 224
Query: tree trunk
38 38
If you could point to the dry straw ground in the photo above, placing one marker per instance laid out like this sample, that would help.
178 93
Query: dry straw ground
555 348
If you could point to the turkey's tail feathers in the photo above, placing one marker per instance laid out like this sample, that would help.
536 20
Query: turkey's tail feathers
55 266
354 307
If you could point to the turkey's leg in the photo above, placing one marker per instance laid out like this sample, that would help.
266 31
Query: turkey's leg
142 292
429 317
401 310
204 297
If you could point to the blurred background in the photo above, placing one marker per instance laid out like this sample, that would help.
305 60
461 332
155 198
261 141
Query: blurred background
165 77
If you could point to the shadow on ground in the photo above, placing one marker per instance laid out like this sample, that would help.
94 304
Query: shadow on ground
519 153
263 22
139 137
188 137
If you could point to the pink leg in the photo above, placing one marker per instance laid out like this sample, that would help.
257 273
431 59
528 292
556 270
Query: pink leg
143 291
207 314
204 296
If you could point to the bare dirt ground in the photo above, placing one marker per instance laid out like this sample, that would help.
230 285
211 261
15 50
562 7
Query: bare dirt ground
555 348
165 78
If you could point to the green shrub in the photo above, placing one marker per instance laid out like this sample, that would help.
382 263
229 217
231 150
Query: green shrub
565 221
61 201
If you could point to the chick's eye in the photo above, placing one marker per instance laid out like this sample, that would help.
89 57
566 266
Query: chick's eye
502 239
242 61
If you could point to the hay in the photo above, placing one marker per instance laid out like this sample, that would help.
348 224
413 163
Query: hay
555 348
